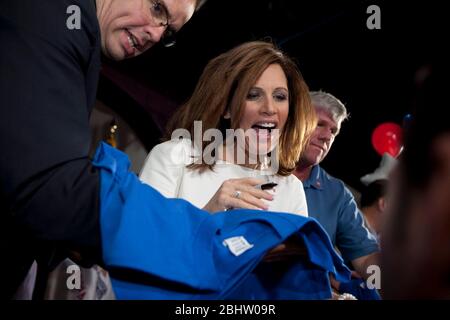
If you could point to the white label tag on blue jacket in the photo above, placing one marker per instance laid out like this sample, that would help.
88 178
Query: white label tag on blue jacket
237 245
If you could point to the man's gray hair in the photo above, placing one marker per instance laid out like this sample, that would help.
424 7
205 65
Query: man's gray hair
331 104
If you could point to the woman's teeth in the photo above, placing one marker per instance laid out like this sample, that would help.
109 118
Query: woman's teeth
267 125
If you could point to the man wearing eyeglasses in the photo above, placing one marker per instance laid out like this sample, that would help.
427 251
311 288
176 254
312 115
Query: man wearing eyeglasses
129 28
50 63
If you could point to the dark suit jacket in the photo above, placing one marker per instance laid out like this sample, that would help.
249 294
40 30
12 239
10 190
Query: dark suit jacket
48 81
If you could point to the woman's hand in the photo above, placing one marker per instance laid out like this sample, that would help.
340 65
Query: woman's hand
239 193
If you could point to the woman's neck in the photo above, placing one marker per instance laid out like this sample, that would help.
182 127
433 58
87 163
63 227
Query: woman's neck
233 154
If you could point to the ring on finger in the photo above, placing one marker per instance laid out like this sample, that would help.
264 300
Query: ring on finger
237 194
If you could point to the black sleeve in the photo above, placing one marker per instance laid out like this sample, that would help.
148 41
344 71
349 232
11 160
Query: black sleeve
48 78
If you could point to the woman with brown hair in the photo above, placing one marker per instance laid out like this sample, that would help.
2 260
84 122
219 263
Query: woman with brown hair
254 106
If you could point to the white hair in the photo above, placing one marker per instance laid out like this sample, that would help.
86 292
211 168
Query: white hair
331 104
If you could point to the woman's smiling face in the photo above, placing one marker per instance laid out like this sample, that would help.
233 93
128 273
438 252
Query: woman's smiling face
266 109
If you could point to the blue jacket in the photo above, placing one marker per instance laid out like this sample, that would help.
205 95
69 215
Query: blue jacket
183 249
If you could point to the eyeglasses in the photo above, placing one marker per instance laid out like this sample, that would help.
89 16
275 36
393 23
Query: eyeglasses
160 16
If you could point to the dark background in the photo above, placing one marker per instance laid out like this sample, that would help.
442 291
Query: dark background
371 71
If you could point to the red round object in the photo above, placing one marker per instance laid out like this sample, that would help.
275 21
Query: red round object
388 137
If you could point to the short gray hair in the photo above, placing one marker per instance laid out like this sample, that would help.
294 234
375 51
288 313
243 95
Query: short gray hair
331 104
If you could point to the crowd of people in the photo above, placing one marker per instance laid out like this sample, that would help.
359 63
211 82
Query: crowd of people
255 162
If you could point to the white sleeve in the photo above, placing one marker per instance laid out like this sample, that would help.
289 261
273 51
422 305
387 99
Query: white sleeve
299 205
164 167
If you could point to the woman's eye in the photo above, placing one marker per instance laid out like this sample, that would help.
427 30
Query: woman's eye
252 95
280 97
